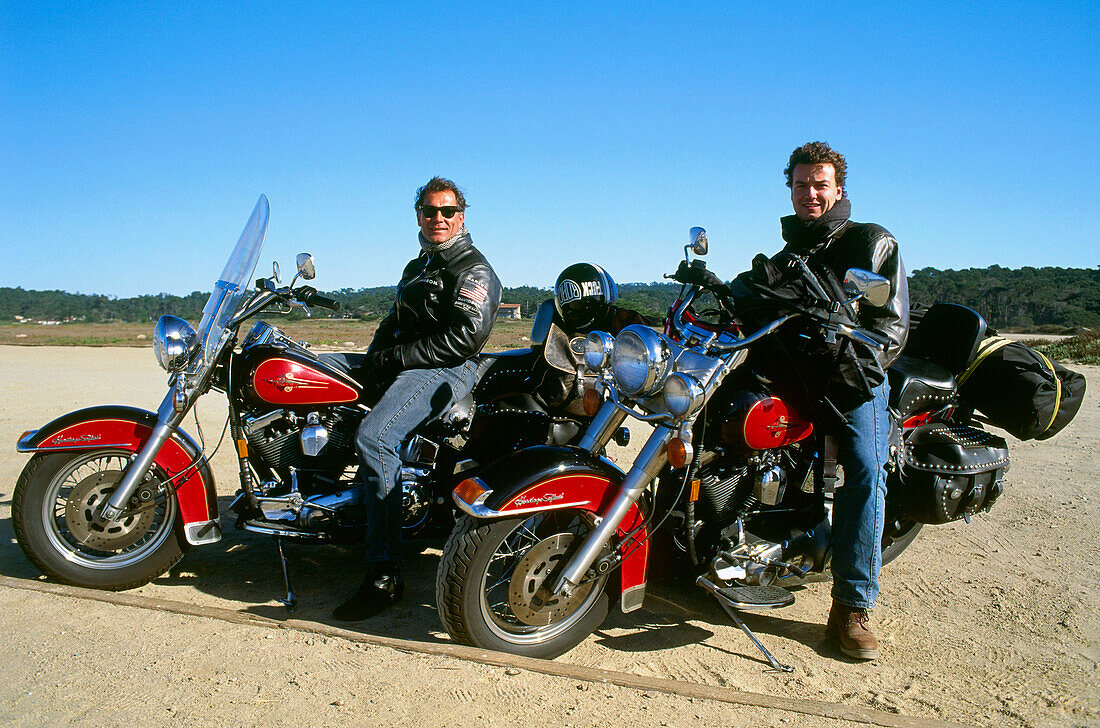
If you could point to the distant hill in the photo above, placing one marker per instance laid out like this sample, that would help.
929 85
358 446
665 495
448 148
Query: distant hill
1026 298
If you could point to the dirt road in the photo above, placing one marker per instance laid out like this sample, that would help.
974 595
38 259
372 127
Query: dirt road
992 623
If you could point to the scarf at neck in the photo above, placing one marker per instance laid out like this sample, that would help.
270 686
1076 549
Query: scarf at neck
429 247
805 235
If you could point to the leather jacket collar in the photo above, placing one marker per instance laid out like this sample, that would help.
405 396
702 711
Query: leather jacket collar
455 249
806 236
460 243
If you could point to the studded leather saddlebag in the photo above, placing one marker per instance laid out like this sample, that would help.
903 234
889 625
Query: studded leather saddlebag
949 472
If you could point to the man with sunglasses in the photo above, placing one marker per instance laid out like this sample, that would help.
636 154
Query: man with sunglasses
421 361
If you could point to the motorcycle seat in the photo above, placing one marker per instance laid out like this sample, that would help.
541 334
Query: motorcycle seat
501 359
461 412
504 372
947 334
919 384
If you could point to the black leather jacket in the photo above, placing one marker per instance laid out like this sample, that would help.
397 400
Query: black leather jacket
871 247
446 304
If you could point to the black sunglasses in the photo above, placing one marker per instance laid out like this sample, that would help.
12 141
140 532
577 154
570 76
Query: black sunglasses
448 211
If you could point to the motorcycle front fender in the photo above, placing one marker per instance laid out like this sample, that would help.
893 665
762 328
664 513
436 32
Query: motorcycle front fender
128 428
546 478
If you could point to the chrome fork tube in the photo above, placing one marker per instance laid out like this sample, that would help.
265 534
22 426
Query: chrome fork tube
651 459
602 427
167 422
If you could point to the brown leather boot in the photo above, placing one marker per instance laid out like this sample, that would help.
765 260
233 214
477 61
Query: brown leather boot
851 628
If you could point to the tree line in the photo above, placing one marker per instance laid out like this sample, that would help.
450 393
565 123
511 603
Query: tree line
1024 297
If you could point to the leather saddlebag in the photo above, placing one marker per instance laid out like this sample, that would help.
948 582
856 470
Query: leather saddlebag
950 472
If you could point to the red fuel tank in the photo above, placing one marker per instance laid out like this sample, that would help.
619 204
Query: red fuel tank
281 380
760 422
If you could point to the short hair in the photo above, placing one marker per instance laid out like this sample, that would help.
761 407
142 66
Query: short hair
817 153
440 184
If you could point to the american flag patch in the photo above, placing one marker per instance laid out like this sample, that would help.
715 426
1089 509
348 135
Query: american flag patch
474 291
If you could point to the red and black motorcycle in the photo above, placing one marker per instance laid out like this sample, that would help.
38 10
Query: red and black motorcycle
734 477
114 495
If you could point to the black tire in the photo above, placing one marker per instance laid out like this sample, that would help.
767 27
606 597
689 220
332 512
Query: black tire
484 616
51 506
896 537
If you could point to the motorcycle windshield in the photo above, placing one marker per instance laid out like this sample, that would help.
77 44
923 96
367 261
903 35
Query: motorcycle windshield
232 287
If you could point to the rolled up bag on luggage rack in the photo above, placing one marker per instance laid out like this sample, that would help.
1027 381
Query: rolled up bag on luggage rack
1021 390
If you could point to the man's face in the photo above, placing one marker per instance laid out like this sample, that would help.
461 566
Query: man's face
435 227
814 190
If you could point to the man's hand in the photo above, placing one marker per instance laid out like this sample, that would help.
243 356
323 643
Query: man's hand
699 276
383 362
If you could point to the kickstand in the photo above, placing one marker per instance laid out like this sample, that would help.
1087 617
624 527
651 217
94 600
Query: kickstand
291 601
745 628
728 609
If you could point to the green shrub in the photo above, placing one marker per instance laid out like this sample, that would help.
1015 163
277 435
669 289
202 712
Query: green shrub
1083 348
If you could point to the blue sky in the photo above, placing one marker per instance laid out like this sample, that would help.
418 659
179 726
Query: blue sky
136 137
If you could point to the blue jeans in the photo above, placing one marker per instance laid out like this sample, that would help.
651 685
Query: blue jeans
415 397
859 505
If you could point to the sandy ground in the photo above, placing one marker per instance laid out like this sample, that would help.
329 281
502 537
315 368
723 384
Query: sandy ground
993 623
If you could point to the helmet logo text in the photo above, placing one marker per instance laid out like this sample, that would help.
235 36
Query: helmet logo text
569 290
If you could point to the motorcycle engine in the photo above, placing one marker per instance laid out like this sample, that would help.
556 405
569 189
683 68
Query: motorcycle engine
722 492
277 436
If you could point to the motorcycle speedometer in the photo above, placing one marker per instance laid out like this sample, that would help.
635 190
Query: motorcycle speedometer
641 360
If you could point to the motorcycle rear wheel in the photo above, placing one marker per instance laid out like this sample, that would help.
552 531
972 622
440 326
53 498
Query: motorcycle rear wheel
52 514
896 537
489 571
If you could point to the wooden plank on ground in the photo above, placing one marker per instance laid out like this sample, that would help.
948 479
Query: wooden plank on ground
819 708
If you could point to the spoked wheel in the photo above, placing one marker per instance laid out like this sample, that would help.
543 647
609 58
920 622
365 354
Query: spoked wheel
490 575
54 514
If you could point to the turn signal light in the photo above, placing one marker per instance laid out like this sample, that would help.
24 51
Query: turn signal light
470 490
592 402
679 453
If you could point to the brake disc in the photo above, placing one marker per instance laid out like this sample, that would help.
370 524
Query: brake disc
86 499
531 572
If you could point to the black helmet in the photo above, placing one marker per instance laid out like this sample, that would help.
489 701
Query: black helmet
583 294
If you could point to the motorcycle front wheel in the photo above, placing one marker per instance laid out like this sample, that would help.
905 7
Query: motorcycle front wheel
490 570
53 512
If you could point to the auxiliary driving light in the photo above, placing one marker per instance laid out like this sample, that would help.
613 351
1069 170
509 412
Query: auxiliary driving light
597 350
683 394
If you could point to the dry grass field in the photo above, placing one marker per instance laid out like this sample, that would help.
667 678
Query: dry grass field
344 334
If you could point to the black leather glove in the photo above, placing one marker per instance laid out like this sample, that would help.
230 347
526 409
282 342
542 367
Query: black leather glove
700 276
309 296
383 363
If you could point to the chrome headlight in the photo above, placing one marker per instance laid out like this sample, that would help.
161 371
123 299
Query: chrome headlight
683 394
597 350
641 360
174 343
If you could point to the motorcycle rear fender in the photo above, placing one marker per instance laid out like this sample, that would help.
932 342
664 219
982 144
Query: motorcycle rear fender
547 478
127 428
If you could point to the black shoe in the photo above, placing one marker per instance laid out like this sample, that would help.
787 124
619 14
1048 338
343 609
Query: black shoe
381 589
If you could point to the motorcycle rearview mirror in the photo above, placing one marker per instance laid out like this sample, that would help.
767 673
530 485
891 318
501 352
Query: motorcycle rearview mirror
871 287
698 237
305 266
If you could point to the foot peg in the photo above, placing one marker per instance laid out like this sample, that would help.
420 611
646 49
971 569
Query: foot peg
732 598
755 597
